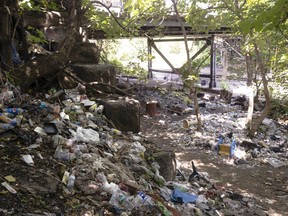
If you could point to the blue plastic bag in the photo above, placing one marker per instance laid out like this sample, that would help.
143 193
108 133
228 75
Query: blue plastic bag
183 197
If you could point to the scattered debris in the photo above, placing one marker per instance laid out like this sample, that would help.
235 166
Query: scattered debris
78 159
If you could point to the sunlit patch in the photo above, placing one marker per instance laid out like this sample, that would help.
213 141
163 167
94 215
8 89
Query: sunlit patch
228 184
273 213
87 213
270 201
184 164
199 164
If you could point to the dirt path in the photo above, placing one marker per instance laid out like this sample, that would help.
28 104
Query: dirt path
268 185
263 182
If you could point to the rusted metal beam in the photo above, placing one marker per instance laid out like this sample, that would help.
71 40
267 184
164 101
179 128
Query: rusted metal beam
164 58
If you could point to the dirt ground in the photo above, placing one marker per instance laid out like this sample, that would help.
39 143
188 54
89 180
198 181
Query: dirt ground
268 185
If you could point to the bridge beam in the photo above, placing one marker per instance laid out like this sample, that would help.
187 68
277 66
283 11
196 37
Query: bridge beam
153 45
149 46
212 82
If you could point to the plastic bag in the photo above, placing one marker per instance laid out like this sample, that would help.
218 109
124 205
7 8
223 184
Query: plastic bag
86 135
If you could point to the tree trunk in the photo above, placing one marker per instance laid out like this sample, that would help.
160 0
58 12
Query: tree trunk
192 86
5 37
249 70
224 64
256 124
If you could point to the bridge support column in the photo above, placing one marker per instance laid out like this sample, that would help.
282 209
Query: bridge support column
149 45
212 82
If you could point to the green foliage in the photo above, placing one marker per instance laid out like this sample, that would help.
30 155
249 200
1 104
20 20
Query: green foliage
192 77
224 85
127 63
35 36
28 5
273 17
38 5
135 14
257 21
135 69
196 65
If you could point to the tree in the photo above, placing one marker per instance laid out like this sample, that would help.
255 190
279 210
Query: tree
257 22
189 68
78 12
43 65
264 26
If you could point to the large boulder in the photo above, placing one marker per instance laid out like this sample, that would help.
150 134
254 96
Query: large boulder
167 163
124 113
95 73
85 52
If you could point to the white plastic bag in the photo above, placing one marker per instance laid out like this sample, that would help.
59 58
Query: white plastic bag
86 135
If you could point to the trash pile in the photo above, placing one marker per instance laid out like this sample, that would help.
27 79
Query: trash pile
270 145
61 157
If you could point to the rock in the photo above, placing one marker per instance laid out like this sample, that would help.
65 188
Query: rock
124 113
267 122
167 163
260 212
249 144
84 52
262 143
95 73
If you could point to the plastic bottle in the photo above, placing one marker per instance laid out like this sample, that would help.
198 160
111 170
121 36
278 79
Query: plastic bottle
119 200
4 119
6 126
148 201
99 109
142 199
71 181
14 111
137 201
